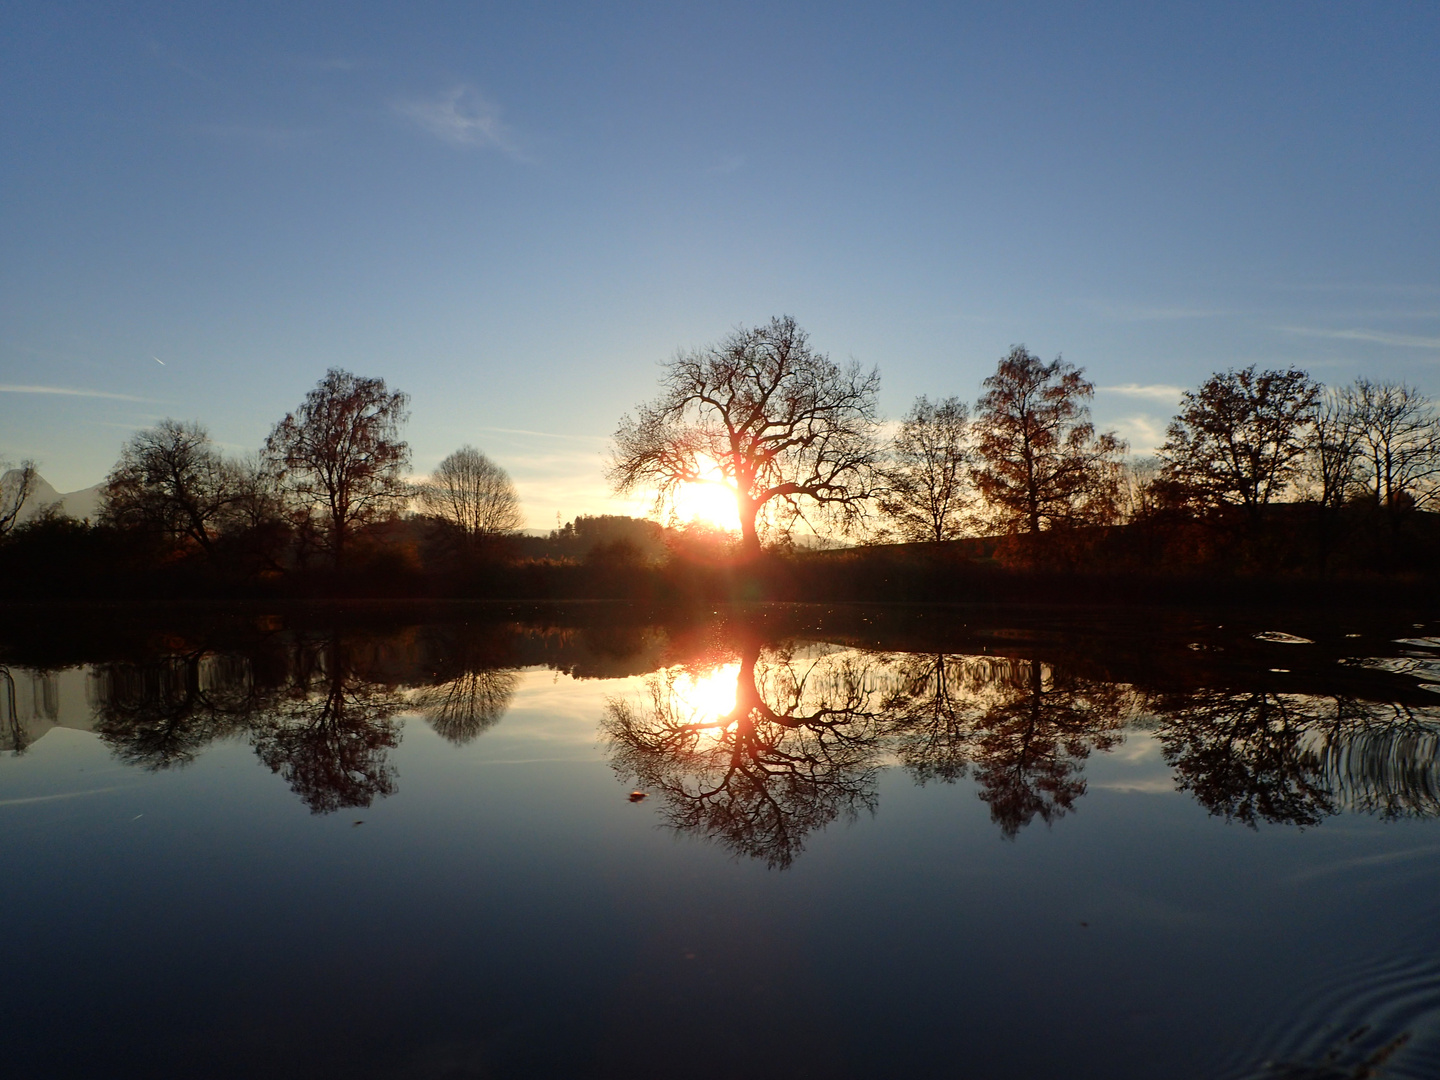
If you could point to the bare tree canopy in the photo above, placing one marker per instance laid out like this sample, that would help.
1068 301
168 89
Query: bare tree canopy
1240 438
15 487
927 482
342 453
1398 441
1041 463
764 413
171 480
1332 465
471 491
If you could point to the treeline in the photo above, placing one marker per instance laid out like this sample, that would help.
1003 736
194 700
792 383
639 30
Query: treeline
1263 474
1262 471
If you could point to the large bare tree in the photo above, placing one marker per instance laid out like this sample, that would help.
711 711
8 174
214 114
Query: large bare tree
927 480
1398 432
1041 464
469 490
1240 438
766 414
171 480
341 452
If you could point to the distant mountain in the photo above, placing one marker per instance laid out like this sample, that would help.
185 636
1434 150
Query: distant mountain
80 505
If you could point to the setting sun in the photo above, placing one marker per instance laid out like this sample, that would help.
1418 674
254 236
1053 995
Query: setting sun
710 501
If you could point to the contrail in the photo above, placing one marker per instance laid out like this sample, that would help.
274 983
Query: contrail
158 360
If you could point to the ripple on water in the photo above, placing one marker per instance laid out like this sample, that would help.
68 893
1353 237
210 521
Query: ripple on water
1378 1018
1402 665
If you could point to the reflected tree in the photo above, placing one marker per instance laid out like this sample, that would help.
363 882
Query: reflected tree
1024 727
798 748
1033 741
1244 756
162 713
1296 759
15 737
329 736
934 713
468 705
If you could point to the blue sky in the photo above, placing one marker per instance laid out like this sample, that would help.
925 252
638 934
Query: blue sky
513 212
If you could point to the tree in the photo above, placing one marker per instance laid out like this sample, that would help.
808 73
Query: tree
1334 448
927 483
1398 434
469 490
1041 464
171 480
765 414
15 487
800 747
342 453
1240 438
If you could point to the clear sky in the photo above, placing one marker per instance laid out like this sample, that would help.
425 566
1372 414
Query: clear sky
514 211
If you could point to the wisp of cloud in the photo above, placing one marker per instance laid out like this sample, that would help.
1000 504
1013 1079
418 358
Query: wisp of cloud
461 116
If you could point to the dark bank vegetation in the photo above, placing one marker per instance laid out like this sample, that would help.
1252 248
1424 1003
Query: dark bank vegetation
1268 486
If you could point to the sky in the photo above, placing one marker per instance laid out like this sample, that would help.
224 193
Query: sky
516 212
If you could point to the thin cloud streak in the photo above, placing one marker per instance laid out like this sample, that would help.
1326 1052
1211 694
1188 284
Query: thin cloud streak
545 434
1140 313
65 391
1157 391
1378 337
461 116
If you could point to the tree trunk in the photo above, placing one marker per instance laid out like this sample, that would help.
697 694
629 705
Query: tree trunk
749 532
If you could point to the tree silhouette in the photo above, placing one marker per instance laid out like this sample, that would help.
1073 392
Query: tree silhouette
16 484
765 414
799 748
927 481
471 492
170 480
1041 465
1398 435
342 454
1239 439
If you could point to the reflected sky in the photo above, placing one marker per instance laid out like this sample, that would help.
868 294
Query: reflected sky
335 851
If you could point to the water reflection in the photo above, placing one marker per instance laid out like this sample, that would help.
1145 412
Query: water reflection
1295 759
757 764
330 733
1026 726
755 736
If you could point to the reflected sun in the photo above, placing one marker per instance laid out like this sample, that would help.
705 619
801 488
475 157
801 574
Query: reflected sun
707 696
710 501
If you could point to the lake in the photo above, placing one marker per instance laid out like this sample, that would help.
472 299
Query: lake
756 842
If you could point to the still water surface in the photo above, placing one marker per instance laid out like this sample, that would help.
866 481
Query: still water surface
770 842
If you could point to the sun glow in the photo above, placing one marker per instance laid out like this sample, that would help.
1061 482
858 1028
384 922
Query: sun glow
710 501
707 696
